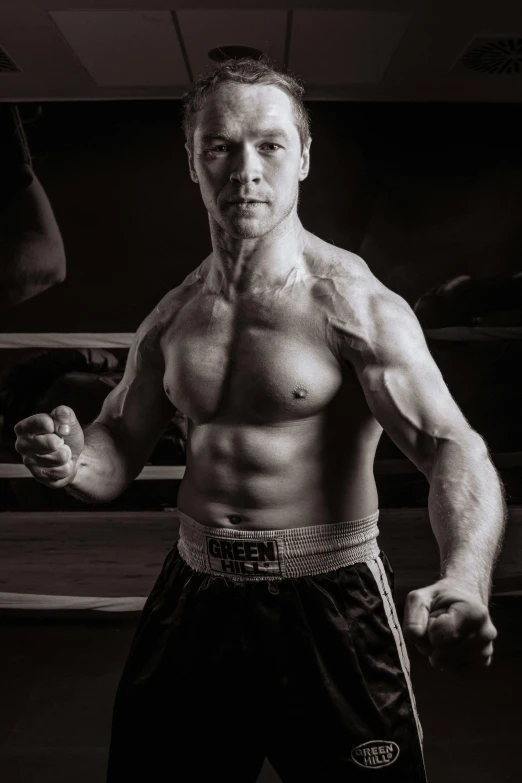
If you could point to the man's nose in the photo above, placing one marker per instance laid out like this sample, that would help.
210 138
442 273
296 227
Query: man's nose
246 166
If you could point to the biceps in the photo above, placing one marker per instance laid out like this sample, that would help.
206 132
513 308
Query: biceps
137 412
415 408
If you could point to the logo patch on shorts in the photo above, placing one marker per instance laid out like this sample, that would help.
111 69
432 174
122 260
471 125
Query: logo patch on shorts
376 754
240 556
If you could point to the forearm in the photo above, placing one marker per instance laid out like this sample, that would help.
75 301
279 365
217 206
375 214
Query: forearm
104 469
467 511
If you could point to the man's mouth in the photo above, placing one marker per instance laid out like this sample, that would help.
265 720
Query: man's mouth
245 202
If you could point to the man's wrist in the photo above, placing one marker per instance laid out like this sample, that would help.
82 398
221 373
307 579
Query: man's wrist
475 587
73 486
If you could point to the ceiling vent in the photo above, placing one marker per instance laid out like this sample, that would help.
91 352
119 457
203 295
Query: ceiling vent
6 64
498 56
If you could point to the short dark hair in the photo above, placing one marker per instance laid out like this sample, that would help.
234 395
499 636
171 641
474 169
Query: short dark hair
245 71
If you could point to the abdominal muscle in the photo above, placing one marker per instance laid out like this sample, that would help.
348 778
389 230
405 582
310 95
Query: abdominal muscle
292 474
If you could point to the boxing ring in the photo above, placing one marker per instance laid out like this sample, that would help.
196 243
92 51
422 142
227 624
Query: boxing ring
119 548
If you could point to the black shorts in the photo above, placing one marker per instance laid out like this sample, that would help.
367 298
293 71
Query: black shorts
310 672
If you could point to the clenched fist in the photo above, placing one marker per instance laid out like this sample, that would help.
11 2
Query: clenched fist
450 624
50 445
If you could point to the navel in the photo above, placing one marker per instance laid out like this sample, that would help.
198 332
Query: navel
235 519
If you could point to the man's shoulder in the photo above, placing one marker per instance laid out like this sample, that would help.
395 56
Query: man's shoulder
169 306
363 314
162 318
349 281
327 257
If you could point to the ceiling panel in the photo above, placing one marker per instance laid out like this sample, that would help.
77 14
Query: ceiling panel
344 47
39 50
348 50
205 30
125 48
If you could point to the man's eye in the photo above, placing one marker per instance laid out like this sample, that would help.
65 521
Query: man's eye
216 149
270 147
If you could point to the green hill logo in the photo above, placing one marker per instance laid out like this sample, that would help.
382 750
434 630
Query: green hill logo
237 556
375 754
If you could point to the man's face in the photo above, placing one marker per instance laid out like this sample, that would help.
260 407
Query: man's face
247 158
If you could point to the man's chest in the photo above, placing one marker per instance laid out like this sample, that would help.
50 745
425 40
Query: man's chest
261 364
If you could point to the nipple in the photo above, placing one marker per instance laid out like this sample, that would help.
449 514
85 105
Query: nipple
300 393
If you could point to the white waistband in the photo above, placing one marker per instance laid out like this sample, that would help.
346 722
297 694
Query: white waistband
276 554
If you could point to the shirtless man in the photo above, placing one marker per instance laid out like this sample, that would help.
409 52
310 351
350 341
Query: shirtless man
271 630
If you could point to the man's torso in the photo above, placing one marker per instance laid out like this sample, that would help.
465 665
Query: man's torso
279 431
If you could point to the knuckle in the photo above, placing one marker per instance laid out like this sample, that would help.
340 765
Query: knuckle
21 426
487 632
413 600
492 632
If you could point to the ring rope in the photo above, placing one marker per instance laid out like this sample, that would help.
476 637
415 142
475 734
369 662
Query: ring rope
27 601
13 470
33 602
63 340
124 339
382 467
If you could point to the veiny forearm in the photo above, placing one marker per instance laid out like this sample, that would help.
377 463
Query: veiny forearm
467 511
104 468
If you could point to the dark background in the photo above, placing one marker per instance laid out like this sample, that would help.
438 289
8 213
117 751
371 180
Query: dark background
424 192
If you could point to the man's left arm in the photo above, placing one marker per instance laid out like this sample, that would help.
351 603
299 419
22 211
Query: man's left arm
404 388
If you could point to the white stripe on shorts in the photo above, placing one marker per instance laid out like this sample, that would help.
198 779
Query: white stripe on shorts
379 574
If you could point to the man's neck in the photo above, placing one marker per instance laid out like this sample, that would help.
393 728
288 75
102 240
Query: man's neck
266 263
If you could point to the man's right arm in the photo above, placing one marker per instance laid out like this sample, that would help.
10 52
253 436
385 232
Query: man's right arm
96 466
132 419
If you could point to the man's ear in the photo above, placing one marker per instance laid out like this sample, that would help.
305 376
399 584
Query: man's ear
190 153
305 161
